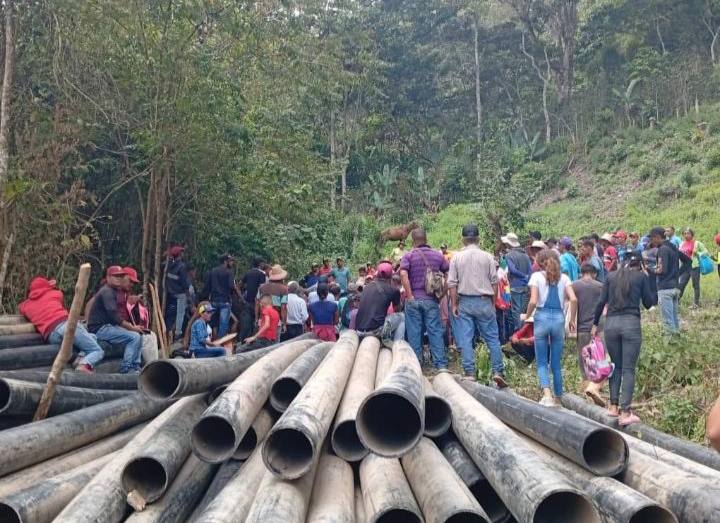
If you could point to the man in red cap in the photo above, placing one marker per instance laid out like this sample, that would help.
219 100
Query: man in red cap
177 288
372 315
107 322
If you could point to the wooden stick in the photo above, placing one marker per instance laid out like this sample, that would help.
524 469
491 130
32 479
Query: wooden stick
160 329
65 352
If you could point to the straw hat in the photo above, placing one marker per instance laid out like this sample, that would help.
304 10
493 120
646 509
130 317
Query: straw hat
277 273
510 239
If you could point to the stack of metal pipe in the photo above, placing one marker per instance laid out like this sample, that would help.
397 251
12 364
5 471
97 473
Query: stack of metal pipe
348 431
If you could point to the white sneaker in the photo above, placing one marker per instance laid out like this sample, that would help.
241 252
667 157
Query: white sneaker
547 401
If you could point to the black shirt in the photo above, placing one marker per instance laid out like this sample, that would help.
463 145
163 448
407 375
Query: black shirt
639 291
219 284
176 278
375 299
251 283
668 262
104 310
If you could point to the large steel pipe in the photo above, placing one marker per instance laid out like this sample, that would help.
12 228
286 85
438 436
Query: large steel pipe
146 477
13 319
616 502
681 447
20 340
333 495
438 416
40 440
102 499
20 328
289 383
600 450
223 475
78 379
478 484
534 492
178 502
46 469
40 355
384 362
359 506
232 503
41 502
441 494
345 440
256 433
22 397
386 493
293 444
391 419
224 423
180 377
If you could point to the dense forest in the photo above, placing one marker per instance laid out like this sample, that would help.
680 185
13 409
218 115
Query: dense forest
297 128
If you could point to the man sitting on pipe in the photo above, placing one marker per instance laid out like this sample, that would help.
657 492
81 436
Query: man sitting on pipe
372 316
713 425
45 308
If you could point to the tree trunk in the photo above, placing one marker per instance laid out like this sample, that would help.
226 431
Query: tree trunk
160 213
333 159
478 97
148 229
6 96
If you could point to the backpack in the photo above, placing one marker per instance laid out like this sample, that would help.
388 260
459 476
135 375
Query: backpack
502 298
434 280
706 264
596 364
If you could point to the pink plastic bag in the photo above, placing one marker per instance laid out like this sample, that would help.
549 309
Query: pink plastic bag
598 366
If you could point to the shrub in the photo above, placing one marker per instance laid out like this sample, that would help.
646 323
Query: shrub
688 176
712 158
682 152
653 169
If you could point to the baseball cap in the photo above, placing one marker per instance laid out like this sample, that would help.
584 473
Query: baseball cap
206 308
384 269
115 270
621 235
470 231
566 241
132 274
176 250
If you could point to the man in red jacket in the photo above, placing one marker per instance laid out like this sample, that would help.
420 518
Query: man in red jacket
45 309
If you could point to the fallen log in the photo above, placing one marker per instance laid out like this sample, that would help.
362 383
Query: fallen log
345 440
261 425
78 379
387 496
438 417
333 495
531 490
593 446
223 425
41 440
293 444
391 419
294 378
180 377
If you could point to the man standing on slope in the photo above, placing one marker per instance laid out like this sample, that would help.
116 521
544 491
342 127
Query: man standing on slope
519 266
218 289
667 271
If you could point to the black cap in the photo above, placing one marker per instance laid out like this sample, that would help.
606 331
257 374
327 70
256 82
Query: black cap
634 257
470 231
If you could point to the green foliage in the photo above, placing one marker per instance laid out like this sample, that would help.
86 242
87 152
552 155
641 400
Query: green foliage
712 158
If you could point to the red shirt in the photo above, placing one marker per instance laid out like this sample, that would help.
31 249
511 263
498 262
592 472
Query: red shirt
271 333
324 271
610 258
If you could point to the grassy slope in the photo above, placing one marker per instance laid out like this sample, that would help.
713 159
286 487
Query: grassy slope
635 180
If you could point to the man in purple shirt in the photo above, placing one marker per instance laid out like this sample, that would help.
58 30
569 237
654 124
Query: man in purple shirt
422 312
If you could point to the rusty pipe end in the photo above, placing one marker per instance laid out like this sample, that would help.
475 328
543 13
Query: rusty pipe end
389 424
565 506
346 442
146 476
288 453
213 439
653 514
397 515
159 379
605 452
283 392
247 445
438 416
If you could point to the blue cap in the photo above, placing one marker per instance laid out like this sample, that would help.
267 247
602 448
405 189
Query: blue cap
206 308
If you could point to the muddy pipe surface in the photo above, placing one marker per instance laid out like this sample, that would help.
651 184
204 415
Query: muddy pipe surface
224 474
344 439
391 419
384 362
465 467
78 379
441 494
152 469
294 378
261 425
29 444
293 445
223 425
12 341
180 377
438 417
532 491
387 495
178 502
333 494
591 445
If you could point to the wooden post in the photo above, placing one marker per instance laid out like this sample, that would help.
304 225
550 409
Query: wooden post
159 321
63 355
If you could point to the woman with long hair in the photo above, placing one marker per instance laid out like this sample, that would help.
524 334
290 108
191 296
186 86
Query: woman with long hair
549 290
623 292
692 249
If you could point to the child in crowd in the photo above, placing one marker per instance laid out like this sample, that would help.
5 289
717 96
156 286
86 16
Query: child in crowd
201 345
324 315
268 332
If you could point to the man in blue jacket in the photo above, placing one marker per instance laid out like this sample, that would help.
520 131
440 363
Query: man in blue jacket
519 266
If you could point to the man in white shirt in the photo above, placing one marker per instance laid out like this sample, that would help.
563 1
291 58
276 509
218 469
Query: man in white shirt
295 314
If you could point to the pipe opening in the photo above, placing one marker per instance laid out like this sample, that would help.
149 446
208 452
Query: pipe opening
653 514
389 425
215 393
283 392
288 453
466 517
146 476
438 417
398 515
346 442
565 507
605 452
4 395
159 380
9 514
247 445
213 439
489 500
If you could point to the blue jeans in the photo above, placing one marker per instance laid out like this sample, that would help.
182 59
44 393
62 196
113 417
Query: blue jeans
477 314
549 341
518 306
669 301
116 335
223 309
421 316
84 342
208 352
175 312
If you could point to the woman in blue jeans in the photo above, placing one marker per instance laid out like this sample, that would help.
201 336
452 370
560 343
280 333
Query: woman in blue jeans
550 290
